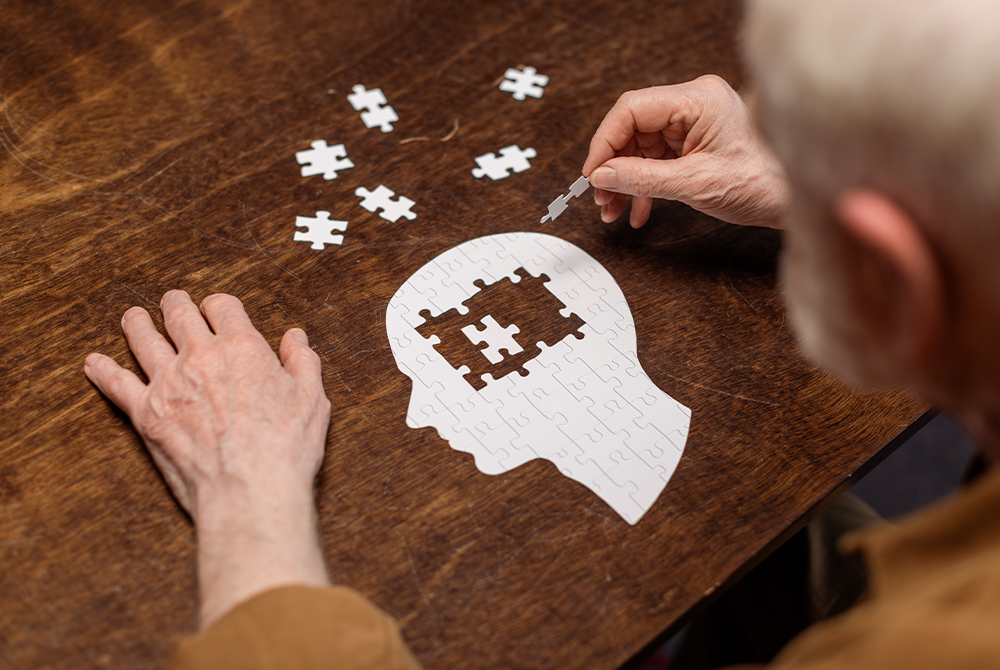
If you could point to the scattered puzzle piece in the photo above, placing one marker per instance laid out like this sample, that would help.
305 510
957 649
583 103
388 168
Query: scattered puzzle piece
512 158
523 82
377 113
558 206
381 198
319 230
323 159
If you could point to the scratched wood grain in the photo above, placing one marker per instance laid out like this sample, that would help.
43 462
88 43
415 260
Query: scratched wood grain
148 145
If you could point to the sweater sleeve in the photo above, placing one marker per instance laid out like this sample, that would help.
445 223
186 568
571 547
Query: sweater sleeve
299 628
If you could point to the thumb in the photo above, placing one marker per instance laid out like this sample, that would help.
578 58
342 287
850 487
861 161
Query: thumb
646 177
296 356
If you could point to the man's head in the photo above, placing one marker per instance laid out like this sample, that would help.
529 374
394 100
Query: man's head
522 346
886 114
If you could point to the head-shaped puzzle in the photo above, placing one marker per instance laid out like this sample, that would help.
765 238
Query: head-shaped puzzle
522 346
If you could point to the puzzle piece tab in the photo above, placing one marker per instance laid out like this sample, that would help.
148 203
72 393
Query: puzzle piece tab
377 113
512 158
558 206
496 338
319 230
381 198
523 82
323 159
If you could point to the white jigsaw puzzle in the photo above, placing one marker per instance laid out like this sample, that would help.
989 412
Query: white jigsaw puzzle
323 159
512 158
559 205
378 112
575 394
381 198
523 82
319 230
498 338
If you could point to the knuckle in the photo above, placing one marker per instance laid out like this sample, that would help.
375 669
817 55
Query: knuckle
626 99
115 383
633 181
247 344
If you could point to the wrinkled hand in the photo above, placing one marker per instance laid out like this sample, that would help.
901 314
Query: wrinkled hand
238 435
221 411
692 142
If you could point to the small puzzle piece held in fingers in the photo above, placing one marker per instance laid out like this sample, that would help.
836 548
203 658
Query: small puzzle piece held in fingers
381 198
323 159
558 206
512 158
523 82
319 230
377 113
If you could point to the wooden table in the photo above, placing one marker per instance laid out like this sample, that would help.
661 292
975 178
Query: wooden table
150 145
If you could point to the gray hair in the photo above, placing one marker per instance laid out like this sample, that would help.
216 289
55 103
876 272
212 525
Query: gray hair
898 95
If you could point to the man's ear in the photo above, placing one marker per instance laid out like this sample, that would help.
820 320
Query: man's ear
898 283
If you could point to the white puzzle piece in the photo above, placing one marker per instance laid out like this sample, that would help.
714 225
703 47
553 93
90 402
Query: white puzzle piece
498 339
319 230
523 82
381 198
377 113
558 206
572 392
512 158
323 159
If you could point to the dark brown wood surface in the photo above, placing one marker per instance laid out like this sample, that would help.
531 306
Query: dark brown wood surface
149 145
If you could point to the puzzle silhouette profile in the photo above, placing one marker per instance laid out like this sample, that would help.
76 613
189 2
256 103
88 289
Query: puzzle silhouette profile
574 394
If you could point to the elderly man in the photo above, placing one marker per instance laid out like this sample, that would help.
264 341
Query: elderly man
882 161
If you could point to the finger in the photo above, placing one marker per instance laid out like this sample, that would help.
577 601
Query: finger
184 322
611 211
640 211
119 385
299 359
225 314
649 110
647 177
149 346
603 197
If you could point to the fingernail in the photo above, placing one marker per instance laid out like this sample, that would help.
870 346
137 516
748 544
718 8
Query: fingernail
300 336
604 177
91 359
